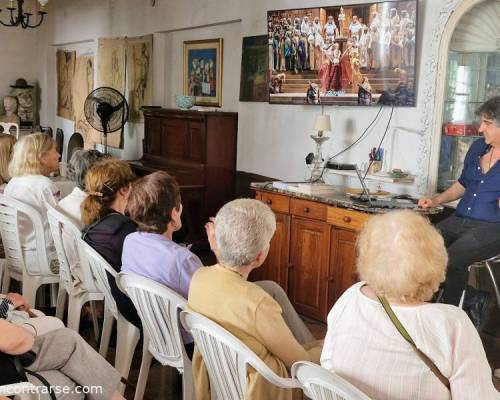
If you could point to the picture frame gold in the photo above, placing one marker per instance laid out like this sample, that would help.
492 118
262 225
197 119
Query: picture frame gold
202 72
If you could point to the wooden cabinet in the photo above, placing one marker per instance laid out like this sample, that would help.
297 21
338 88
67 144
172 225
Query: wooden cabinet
312 254
276 266
342 265
308 273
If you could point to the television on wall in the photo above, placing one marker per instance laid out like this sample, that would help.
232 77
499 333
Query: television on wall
360 54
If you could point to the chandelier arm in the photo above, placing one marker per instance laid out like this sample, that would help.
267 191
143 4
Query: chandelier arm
13 21
42 15
4 24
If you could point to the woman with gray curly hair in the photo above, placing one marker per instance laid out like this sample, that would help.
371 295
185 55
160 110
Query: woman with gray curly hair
401 262
259 314
81 161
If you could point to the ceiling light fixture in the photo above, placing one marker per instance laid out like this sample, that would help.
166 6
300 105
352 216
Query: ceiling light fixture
20 17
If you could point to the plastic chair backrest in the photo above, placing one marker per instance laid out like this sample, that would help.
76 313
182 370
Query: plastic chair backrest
10 209
158 307
60 226
227 358
99 268
320 384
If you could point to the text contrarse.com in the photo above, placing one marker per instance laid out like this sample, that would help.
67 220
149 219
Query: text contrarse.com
27 388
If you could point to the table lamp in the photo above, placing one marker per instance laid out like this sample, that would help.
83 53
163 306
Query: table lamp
321 124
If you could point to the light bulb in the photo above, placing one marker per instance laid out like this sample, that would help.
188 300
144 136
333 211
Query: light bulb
43 3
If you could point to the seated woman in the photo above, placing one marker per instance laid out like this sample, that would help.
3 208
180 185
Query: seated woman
402 257
64 360
33 160
243 230
155 205
81 161
6 146
103 213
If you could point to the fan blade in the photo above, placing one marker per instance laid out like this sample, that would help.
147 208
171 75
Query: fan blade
118 106
96 99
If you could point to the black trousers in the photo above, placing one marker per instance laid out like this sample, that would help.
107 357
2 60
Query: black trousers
468 241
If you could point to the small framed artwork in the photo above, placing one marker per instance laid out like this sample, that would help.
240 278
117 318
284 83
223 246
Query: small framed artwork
203 71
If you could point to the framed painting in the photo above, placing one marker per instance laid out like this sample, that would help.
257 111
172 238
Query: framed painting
254 69
203 71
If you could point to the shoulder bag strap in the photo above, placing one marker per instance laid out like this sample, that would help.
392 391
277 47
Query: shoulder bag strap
401 329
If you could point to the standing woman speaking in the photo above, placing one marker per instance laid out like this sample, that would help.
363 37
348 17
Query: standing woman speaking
472 233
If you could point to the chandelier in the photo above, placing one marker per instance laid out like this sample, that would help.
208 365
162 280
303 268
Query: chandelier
20 17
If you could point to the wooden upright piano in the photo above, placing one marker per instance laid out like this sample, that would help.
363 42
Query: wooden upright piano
199 149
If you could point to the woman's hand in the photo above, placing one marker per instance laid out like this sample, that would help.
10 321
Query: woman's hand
427 203
18 301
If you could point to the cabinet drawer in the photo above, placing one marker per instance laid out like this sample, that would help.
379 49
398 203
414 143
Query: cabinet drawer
344 218
276 202
308 209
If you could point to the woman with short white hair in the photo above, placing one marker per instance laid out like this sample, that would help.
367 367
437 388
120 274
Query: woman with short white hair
260 315
401 262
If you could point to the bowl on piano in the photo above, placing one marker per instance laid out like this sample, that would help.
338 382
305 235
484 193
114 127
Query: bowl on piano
184 102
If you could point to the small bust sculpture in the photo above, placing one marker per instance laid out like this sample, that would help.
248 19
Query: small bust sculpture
10 105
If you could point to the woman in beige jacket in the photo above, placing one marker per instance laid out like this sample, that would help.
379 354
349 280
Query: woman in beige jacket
260 315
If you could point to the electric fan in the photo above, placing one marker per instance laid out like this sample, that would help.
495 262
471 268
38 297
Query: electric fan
106 110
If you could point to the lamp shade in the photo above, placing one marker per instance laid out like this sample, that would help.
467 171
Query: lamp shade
322 123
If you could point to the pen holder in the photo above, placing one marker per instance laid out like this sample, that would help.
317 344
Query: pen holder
375 167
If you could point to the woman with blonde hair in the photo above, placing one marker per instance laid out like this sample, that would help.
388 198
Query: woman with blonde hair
108 185
6 146
401 262
33 160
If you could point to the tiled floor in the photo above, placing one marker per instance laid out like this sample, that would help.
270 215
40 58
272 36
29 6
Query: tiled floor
165 382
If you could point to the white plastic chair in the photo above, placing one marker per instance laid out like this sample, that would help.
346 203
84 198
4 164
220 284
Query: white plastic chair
7 126
320 384
128 334
159 307
60 223
36 273
227 358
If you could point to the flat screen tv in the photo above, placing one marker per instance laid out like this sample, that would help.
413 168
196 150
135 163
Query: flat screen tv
360 54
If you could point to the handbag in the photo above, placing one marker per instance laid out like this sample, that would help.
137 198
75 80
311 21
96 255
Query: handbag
401 329
13 370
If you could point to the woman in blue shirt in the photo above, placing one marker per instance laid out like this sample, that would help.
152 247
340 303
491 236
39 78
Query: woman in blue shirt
472 234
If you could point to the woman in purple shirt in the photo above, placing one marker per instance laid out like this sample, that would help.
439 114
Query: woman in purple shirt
155 205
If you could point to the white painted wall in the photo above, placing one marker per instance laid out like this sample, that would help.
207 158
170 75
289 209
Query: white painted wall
17 47
272 139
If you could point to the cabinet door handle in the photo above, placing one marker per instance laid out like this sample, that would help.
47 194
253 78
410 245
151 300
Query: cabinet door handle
331 279
347 219
290 266
306 209
269 201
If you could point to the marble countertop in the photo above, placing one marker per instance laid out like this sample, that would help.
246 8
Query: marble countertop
337 199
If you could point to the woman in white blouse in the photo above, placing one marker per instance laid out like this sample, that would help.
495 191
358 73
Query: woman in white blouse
33 160
402 257
81 161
